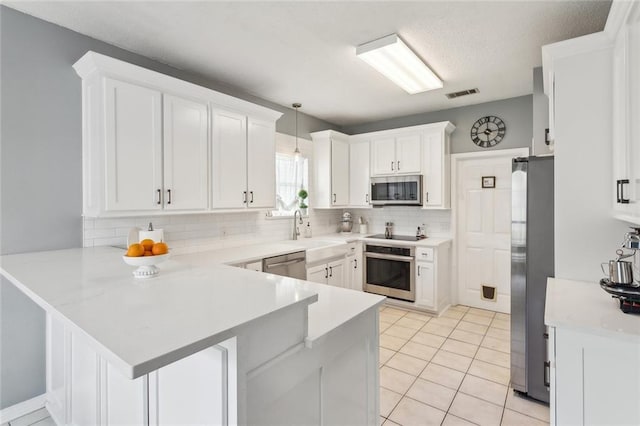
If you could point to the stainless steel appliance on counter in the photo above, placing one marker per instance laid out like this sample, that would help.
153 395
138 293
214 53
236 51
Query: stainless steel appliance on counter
389 270
532 261
292 265
396 190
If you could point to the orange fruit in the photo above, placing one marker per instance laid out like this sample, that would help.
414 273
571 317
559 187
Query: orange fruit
147 244
148 253
160 248
135 250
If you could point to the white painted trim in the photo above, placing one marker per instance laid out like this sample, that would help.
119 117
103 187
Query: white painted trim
455 160
447 126
22 408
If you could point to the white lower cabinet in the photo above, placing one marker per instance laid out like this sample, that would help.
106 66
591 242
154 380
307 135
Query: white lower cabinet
354 266
593 378
332 273
433 290
84 389
425 285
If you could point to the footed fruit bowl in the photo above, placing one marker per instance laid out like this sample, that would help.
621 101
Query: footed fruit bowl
146 264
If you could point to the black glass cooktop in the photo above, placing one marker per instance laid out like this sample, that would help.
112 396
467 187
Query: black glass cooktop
396 237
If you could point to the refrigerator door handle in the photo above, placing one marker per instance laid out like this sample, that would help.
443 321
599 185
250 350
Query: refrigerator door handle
547 373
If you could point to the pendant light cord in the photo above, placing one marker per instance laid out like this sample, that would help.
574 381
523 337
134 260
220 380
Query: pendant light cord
296 106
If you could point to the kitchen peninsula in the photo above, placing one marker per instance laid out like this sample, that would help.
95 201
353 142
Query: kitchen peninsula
201 343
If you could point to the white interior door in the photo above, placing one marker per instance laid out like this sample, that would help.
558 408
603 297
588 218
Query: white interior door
484 231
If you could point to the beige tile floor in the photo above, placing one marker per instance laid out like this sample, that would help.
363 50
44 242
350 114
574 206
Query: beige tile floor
451 370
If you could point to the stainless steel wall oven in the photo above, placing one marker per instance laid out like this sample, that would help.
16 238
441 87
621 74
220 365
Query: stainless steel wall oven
389 271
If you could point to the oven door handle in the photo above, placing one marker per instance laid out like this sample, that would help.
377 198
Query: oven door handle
389 257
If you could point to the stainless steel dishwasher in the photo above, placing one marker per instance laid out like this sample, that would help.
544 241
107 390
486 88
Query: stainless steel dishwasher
292 265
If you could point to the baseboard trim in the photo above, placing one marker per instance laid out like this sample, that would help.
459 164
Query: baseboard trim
20 409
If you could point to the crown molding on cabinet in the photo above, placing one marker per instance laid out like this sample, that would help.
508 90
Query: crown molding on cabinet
446 126
620 13
92 62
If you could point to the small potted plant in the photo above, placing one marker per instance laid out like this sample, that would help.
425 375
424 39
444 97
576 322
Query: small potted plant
302 195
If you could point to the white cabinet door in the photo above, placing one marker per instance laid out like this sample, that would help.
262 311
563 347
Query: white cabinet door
436 170
318 274
261 164
339 172
190 391
185 154
425 285
337 273
408 154
383 156
229 160
133 146
359 174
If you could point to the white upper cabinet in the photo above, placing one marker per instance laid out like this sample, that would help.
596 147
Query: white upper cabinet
340 171
359 174
229 160
330 169
408 154
261 164
185 154
396 153
436 182
133 148
383 156
154 144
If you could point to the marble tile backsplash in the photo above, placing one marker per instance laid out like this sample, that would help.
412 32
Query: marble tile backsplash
189 233
405 220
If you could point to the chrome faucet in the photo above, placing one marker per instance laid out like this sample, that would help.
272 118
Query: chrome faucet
296 228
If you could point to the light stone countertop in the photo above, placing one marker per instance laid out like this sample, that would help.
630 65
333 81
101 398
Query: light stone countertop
196 301
584 306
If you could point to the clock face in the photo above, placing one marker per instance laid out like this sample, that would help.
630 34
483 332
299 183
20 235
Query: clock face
488 131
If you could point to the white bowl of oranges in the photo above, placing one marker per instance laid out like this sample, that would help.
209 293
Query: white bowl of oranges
146 255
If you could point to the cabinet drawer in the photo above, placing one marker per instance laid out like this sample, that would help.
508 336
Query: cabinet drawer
424 254
352 248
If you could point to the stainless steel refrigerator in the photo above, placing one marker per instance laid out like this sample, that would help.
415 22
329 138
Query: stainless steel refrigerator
531 263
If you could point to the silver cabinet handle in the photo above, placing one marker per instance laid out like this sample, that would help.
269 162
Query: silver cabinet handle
427 197
334 198
392 166
398 166
169 193
244 197
159 196
418 270
355 263
330 271
251 192
367 197
326 272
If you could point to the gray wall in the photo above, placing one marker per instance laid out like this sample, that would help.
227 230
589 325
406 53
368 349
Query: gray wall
516 112
540 113
40 169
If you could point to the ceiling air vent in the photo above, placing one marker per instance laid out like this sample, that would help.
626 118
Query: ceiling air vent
454 95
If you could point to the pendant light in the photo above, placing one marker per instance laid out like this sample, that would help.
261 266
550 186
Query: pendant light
296 152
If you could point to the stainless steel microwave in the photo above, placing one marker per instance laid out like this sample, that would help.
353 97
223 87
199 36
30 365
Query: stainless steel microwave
396 190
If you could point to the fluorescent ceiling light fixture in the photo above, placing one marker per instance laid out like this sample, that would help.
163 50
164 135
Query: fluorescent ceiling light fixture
391 57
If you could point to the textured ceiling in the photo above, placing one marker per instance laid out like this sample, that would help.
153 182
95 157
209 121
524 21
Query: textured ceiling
305 51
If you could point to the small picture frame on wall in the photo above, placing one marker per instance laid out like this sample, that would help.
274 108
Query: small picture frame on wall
488 181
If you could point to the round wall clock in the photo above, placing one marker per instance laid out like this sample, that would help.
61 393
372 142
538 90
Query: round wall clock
488 131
